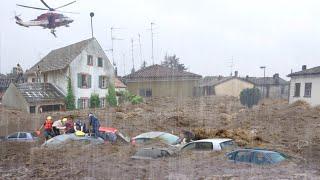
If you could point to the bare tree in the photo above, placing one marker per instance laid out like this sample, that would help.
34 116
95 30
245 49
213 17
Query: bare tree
173 62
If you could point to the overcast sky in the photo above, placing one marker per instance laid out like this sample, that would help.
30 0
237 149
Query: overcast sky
205 34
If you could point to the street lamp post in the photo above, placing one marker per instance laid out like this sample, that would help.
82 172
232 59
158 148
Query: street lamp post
264 79
91 15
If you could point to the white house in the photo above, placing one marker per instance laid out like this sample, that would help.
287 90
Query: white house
305 85
84 62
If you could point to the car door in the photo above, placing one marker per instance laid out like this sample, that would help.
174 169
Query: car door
22 136
243 157
203 146
260 158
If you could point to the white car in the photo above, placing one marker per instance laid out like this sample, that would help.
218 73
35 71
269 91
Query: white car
210 145
168 138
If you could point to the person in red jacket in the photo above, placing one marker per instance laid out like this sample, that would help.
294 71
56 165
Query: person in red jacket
47 128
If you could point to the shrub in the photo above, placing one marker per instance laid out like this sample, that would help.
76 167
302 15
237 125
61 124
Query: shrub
136 100
111 97
126 96
250 97
70 104
94 101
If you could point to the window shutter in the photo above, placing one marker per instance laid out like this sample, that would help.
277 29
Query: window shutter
89 81
79 80
100 82
79 104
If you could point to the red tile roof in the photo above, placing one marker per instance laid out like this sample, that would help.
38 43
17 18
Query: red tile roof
161 72
119 84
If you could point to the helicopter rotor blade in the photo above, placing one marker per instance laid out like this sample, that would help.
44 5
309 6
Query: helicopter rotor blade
44 3
31 7
67 12
65 5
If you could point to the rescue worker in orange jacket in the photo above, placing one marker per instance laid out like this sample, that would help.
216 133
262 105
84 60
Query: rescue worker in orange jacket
48 133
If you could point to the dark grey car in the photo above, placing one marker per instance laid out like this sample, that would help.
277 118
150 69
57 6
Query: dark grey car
256 156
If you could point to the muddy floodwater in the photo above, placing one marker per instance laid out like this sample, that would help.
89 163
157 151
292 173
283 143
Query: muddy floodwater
292 129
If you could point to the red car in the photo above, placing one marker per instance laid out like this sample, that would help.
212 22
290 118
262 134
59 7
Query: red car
104 131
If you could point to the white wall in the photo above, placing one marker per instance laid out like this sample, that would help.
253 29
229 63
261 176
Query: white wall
79 65
314 100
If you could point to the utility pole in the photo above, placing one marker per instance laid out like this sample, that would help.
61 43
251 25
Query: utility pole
141 59
91 15
133 70
152 56
264 80
124 63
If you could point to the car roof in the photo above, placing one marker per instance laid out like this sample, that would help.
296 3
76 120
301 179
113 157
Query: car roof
152 134
215 140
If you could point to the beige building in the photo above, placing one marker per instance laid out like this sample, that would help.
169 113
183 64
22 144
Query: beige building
161 81
223 86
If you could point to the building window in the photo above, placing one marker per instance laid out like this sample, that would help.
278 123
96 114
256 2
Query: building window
145 92
33 80
89 60
102 102
297 90
142 92
83 103
103 82
148 92
100 62
32 109
282 90
84 80
307 89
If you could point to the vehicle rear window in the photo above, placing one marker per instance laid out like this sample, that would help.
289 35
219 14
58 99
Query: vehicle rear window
15 135
169 138
228 145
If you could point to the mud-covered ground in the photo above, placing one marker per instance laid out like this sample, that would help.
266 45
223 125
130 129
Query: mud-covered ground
293 129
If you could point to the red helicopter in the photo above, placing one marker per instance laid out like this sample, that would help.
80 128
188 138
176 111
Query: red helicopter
50 20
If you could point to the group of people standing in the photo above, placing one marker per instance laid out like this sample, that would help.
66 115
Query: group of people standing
67 125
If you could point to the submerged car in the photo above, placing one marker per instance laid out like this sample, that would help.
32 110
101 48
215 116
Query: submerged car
22 137
65 138
106 131
211 145
256 156
167 138
152 153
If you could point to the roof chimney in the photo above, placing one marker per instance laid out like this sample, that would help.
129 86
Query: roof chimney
235 73
304 67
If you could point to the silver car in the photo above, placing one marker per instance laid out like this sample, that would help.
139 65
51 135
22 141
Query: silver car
22 137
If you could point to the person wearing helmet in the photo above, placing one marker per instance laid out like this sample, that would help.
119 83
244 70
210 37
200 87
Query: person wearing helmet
47 128
57 126
94 124
79 126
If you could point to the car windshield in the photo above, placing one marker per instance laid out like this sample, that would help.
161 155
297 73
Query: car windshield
276 157
169 138
228 145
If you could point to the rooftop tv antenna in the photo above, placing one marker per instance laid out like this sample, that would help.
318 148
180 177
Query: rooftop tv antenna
141 59
152 55
132 55
112 29
231 65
